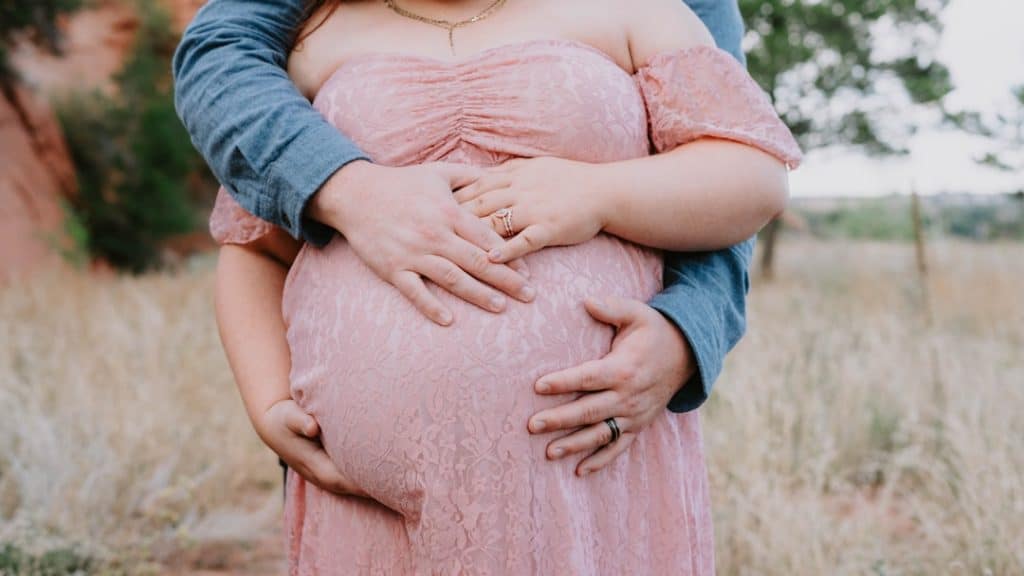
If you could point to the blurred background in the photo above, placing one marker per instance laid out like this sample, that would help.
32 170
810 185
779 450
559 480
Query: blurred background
868 423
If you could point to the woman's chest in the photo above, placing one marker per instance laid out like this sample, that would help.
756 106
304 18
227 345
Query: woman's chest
545 97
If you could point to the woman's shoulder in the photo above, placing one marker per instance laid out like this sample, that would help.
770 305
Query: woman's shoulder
655 27
321 40
631 32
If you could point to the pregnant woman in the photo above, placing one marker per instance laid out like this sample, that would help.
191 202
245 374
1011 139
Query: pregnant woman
544 115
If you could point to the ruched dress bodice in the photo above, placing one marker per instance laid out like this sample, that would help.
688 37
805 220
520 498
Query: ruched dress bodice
431 420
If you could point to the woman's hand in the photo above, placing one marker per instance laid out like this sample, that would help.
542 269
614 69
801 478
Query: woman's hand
293 435
553 202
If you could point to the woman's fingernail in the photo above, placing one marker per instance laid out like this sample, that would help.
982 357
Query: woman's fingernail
542 386
584 471
527 293
538 425
446 317
494 254
557 452
497 303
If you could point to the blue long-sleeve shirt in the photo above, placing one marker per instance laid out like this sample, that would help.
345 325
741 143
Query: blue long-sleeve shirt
272 151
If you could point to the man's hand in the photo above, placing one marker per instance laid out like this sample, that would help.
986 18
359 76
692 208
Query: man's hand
406 226
648 363
292 434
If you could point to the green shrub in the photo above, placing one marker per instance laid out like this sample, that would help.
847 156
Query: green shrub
134 160
876 219
59 562
982 218
984 221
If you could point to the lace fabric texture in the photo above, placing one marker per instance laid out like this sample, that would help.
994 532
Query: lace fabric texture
431 421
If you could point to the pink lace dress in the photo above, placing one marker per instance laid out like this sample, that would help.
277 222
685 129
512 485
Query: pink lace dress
431 421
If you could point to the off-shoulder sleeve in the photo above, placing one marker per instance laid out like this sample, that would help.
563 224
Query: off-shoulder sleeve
232 224
704 92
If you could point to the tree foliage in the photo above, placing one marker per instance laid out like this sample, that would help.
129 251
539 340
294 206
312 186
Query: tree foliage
1004 128
35 20
137 170
838 71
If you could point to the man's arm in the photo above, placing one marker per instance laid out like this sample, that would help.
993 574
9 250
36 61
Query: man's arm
283 162
705 293
705 297
263 140
273 151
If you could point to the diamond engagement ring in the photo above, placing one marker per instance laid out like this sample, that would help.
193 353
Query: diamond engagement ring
505 215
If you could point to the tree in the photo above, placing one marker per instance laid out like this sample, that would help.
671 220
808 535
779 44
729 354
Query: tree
35 20
842 72
138 174
1005 128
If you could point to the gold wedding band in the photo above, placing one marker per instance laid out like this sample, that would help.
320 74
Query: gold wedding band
505 214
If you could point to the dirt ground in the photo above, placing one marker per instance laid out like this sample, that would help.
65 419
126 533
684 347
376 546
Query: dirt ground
264 557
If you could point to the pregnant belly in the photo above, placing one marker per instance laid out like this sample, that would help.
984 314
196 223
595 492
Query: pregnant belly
407 407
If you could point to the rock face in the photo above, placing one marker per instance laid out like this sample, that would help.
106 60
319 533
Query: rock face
36 172
183 11
35 175
95 43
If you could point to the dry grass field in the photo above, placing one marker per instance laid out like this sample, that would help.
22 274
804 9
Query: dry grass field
868 424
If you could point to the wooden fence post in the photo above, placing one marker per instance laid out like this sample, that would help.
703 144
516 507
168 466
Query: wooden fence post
919 250
769 236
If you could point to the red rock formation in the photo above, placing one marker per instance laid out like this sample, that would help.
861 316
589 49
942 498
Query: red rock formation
182 11
95 43
36 174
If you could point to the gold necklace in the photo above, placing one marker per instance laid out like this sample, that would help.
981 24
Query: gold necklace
446 24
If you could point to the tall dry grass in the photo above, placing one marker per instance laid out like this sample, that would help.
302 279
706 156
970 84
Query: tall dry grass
120 427
852 433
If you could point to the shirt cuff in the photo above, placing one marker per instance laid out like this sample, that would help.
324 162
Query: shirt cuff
308 162
691 321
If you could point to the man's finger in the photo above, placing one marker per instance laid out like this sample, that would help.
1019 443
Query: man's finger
454 279
482 235
532 239
587 409
520 266
412 287
606 455
586 440
613 310
499 276
590 376
471 229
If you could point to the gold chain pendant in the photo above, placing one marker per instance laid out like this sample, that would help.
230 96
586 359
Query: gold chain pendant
446 24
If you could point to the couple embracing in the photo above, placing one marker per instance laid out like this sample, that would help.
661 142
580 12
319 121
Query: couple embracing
481 261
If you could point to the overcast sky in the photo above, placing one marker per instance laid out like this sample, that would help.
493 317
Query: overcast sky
983 46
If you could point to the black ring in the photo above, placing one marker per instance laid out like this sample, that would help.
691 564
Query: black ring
615 429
